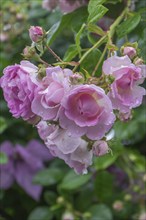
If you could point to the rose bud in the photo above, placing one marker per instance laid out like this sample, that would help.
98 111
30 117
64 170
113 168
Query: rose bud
130 51
138 61
36 33
125 116
29 52
142 216
100 148
118 206
67 216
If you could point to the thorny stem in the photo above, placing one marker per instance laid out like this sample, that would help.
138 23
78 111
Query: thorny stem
54 54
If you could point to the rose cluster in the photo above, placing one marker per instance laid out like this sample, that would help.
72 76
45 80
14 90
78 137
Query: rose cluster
72 115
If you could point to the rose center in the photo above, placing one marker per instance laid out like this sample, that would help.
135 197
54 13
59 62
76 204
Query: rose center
87 105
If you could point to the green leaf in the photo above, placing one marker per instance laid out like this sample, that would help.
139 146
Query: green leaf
3 158
90 62
127 26
95 29
73 181
77 39
39 47
3 125
53 32
96 10
105 161
100 212
93 4
48 177
86 194
41 213
103 185
112 1
50 197
70 53
72 20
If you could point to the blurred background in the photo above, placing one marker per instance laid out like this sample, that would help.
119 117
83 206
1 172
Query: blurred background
46 188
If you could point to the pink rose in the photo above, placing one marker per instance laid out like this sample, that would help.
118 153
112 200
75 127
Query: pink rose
86 110
50 92
36 33
18 84
125 91
74 151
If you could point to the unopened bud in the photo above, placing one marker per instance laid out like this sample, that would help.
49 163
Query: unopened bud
130 52
100 148
87 215
136 188
127 197
60 200
138 61
3 37
125 116
29 52
142 216
67 216
36 33
144 177
41 72
118 206
76 79
19 16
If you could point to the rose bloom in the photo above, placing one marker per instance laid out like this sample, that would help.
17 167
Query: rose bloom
18 84
74 151
86 109
50 92
125 92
